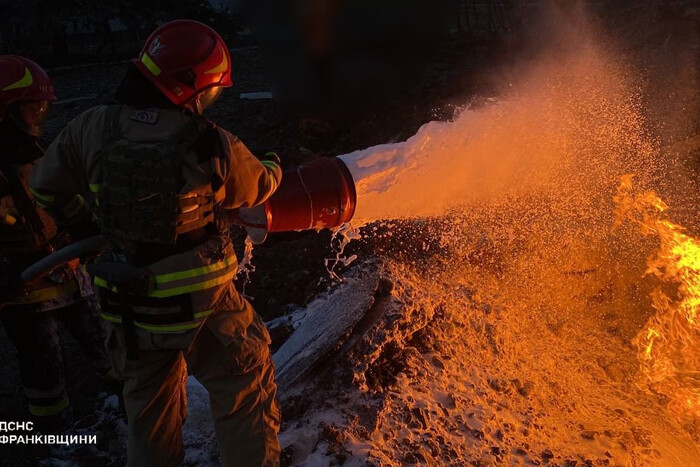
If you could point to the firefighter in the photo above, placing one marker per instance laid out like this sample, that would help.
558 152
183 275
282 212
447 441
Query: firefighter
164 180
31 314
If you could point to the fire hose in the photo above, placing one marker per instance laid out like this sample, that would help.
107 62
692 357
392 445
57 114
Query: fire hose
84 249
123 274
89 247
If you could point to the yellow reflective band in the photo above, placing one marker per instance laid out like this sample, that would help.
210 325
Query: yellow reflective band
199 317
46 199
45 294
173 328
103 283
111 318
200 271
185 289
150 64
48 410
24 82
193 287
95 188
221 67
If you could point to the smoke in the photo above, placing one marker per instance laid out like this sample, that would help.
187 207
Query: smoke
570 123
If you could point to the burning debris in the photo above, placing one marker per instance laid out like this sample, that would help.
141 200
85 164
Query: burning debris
668 343
524 337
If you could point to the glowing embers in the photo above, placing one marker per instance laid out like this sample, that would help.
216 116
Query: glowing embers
669 345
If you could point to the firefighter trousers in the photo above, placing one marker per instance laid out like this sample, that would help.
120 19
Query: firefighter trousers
35 335
239 379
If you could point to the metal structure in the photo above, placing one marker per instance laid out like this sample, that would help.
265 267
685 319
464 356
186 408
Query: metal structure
485 16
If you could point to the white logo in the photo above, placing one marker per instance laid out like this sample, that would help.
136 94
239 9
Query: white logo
149 116
156 47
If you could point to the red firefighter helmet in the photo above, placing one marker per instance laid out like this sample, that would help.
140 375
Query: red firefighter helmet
182 58
22 80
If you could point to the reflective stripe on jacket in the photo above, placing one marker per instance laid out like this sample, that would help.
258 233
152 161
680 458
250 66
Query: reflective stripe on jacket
184 289
44 294
187 284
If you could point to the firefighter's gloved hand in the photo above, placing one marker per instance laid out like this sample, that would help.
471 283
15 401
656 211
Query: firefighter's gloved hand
271 156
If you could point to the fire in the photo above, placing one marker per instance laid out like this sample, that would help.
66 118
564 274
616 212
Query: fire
669 345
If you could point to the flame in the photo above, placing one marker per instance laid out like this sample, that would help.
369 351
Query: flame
669 345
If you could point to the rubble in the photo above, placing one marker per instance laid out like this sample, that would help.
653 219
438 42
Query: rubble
326 321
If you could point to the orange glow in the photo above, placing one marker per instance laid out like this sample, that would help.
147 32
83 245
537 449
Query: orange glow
669 345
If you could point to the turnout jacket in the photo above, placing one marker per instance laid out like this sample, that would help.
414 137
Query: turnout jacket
27 234
192 284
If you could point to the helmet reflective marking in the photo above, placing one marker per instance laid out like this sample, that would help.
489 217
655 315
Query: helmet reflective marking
26 81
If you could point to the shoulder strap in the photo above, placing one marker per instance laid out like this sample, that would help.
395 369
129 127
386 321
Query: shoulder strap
190 137
111 130
197 126
209 148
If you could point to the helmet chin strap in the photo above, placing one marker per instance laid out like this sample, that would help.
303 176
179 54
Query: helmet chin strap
203 100
206 98
194 106
199 108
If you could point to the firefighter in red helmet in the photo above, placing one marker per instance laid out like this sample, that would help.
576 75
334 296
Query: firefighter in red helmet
163 177
31 314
